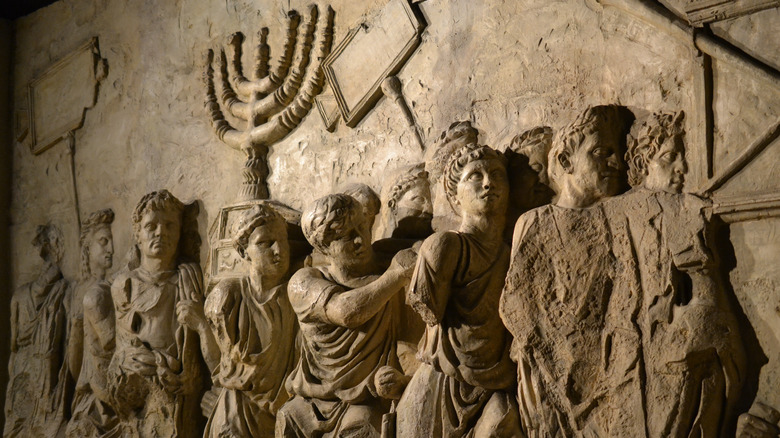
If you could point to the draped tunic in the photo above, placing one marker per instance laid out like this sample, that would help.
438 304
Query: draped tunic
257 344
574 342
36 400
338 363
146 323
466 381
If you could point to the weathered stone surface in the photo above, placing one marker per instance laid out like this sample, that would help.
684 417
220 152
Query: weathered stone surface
625 303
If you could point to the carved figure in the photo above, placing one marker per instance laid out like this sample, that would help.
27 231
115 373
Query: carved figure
465 386
275 101
36 399
347 315
574 344
93 415
693 356
367 197
369 200
255 329
436 158
409 206
157 370
529 185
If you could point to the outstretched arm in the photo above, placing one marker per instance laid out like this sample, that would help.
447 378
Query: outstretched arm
352 308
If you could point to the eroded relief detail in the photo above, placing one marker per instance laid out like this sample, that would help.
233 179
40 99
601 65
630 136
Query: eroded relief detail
578 282
157 373
274 102
465 384
93 412
255 328
348 315
36 400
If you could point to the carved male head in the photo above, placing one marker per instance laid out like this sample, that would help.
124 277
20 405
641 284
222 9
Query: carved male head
367 198
456 136
475 181
586 159
157 221
260 236
656 153
48 240
410 196
335 225
97 244
527 168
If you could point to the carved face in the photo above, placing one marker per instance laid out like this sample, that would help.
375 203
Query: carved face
353 246
666 169
529 181
157 235
597 166
269 251
101 249
483 188
415 202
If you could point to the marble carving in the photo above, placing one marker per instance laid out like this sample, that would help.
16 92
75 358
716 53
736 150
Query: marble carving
571 284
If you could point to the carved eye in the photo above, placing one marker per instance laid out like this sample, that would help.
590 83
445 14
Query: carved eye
600 152
668 157
497 174
149 226
103 241
474 176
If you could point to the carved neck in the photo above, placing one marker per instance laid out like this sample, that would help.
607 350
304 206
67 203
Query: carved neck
489 229
573 196
153 265
97 273
262 286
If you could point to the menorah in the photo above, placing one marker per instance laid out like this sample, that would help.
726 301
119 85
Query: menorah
274 102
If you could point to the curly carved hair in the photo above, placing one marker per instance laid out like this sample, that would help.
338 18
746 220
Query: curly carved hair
460 158
257 216
189 238
457 134
602 118
646 139
416 175
327 218
365 195
48 239
95 221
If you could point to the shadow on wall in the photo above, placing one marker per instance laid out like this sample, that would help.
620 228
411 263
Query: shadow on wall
6 151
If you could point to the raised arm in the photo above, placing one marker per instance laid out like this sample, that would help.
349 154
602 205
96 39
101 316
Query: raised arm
352 308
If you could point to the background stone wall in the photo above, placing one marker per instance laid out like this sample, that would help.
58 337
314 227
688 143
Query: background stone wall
507 66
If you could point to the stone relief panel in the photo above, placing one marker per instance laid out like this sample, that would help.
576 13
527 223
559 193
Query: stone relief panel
609 270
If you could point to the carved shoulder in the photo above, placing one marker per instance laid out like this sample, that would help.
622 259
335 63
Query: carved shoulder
222 296
441 244
120 288
97 302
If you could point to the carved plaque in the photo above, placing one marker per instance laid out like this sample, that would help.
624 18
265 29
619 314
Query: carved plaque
371 52
701 12
60 95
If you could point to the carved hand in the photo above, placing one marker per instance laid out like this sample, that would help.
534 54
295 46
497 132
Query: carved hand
142 362
760 423
390 383
189 313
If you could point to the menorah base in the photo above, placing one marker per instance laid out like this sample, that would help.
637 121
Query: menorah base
253 191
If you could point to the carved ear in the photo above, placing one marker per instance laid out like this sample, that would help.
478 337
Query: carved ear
563 161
